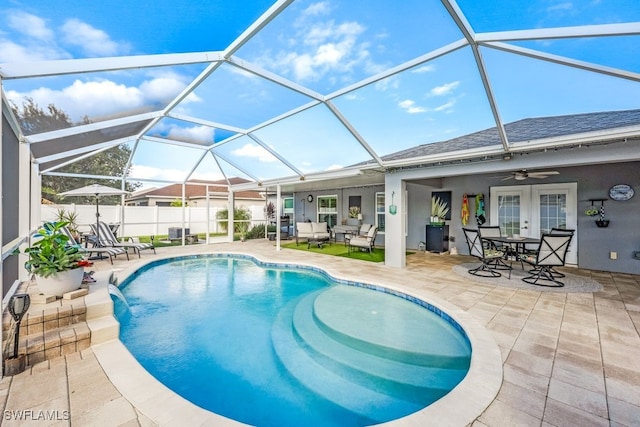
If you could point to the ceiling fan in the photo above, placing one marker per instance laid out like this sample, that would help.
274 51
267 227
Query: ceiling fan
524 174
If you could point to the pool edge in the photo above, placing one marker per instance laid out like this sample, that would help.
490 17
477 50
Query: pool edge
460 407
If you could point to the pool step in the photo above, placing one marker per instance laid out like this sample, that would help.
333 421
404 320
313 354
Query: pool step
420 383
331 386
389 327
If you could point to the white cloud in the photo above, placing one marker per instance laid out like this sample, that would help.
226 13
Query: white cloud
319 8
410 107
149 172
320 48
447 107
192 134
424 69
254 151
560 6
93 41
98 98
30 25
334 167
445 89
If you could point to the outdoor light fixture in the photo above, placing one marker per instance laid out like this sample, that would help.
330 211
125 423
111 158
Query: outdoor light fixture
18 306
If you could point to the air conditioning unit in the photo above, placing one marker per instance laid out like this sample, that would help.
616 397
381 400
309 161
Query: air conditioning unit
176 232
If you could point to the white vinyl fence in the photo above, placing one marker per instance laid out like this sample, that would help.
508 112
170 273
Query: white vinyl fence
150 220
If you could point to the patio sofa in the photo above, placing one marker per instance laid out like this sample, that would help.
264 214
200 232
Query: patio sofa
311 230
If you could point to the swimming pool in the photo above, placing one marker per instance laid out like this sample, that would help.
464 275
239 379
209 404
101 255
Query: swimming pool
243 339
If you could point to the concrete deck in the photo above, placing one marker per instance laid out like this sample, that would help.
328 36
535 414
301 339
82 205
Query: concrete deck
565 359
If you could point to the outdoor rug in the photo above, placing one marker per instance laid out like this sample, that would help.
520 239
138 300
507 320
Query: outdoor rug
339 249
572 283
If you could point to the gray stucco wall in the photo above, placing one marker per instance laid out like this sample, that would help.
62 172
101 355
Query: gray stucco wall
594 244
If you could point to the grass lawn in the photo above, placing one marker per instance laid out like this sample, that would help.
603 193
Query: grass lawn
339 249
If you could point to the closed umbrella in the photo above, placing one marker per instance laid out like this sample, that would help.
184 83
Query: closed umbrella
96 190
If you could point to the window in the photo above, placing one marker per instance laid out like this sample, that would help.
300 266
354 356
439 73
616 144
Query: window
287 205
380 212
328 210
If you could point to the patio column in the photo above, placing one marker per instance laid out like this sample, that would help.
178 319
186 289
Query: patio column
395 242
230 211
278 215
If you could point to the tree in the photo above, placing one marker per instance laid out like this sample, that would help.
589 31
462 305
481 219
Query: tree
33 120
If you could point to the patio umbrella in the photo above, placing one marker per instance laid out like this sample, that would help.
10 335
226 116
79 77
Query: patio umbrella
96 190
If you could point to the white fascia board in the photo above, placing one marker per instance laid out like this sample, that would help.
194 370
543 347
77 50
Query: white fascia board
203 122
531 53
21 70
622 29
166 141
617 135
89 151
494 150
76 130
279 80
256 26
434 54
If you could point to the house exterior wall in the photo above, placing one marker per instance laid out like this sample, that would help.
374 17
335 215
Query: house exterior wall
594 244
10 203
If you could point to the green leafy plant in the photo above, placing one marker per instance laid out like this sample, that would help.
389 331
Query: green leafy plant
439 208
52 253
70 217
240 216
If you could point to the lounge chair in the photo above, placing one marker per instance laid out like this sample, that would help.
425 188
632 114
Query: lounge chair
551 253
107 239
111 252
364 242
490 257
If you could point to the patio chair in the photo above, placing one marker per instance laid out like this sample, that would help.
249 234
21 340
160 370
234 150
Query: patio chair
489 256
107 239
491 231
551 253
110 252
364 242
362 232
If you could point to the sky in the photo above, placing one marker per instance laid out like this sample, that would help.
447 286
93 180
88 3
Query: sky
324 46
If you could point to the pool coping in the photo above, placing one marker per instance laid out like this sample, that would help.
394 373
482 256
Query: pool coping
460 407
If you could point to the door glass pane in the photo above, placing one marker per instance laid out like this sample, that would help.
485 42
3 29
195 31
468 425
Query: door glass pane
509 214
553 212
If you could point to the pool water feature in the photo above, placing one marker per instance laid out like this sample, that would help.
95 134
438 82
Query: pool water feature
287 346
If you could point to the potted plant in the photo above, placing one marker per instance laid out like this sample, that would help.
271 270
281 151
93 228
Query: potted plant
271 232
354 212
71 218
439 210
58 266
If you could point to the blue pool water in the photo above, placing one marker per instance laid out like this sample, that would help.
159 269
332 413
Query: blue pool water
273 346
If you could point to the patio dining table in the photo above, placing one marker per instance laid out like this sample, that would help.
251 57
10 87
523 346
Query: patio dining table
518 244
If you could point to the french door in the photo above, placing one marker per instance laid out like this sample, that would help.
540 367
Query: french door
530 210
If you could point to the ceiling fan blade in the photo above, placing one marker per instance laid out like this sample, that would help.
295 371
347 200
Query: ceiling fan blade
543 174
507 178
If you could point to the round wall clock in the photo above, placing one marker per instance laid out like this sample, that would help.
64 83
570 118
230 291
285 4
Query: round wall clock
310 198
621 192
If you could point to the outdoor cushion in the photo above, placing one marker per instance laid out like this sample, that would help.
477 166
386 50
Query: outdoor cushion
304 229
319 227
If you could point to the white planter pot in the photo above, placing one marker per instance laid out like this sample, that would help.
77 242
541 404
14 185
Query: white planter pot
61 283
